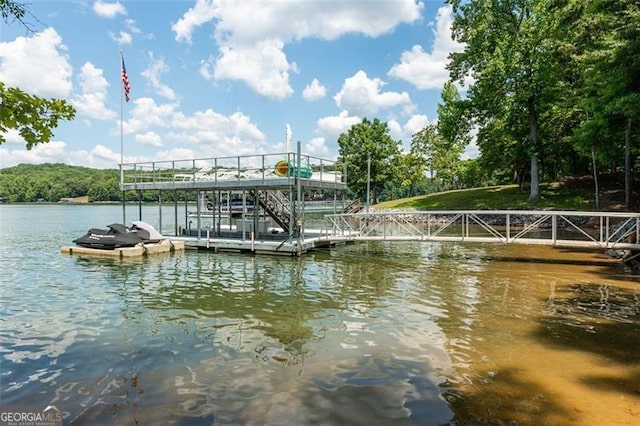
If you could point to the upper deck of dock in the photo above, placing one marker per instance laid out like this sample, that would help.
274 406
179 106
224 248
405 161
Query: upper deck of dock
267 171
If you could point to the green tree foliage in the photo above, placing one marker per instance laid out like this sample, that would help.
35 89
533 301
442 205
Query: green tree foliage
554 87
370 140
453 124
426 145
51 182
509 53
34 117
609 60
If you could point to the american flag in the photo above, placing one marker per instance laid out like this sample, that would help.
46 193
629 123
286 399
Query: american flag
125 80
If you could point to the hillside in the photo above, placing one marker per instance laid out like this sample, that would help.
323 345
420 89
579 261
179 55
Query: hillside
569 194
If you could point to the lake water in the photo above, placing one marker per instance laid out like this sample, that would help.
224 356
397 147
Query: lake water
366 334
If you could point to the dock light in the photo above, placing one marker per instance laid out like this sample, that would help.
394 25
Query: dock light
283 168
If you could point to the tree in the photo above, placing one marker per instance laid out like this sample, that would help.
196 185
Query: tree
439 157
509 54
33 117
453 125
364 142
610 90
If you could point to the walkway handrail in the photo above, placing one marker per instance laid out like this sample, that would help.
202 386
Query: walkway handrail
605 230
189 172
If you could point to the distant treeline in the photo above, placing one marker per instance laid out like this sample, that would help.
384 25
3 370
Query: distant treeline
51 182
48 182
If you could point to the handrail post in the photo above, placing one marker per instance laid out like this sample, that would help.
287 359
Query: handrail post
554 228
602 240
464 226
508 230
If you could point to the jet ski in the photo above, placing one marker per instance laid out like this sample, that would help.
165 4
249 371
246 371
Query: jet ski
117 235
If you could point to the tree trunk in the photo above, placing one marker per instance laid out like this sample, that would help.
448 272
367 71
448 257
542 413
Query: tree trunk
595 178
534 193
627 167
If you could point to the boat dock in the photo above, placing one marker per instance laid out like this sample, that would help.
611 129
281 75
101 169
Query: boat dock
246 203
271 193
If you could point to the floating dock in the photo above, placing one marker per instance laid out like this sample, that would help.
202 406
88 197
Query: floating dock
142 249
288 247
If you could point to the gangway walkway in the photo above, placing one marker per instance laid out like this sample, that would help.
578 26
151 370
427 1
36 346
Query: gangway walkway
598 230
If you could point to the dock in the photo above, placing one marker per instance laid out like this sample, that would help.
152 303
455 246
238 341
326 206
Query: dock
272 193
274 243
142 249
244 204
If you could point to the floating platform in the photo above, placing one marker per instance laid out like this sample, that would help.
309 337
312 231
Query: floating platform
142 249
263 243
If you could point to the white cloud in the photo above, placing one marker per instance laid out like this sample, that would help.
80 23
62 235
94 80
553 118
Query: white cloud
263 67
415 124
361 95
149 138
253 34
156 68
428 70
91 102
335 125
121 38
317 148
37 64
203 12
108 10
131 26
99 157
314 91
405 132
205 69
243 23
146 114
210 133
395 129
52 152
11 136
219 135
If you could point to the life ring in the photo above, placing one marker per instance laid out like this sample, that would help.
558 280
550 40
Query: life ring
282 168
209 205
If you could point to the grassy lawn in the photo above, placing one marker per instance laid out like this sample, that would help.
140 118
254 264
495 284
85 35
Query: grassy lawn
555 195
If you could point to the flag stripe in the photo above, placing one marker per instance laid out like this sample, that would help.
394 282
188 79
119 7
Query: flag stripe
125 81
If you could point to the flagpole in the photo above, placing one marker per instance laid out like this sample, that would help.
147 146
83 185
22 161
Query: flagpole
124 210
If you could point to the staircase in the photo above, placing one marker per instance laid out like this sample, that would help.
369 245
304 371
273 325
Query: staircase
276 204
354 207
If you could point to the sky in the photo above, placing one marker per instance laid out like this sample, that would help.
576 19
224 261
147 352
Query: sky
217 78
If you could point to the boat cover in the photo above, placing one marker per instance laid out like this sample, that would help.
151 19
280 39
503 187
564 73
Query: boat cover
153 234
117 235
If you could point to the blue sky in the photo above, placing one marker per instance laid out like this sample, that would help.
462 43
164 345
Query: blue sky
213 78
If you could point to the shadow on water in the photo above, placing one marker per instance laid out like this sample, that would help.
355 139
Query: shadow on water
601 320
503 398
597 319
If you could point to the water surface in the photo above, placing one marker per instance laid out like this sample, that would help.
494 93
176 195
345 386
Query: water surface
372 333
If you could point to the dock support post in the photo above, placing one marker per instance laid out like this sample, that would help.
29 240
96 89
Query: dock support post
299 201
160 211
